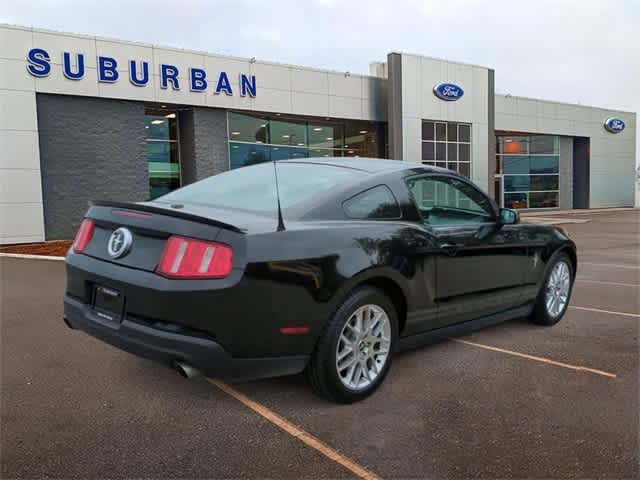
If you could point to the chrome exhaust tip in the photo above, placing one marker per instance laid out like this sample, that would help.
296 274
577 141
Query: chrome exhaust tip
186 370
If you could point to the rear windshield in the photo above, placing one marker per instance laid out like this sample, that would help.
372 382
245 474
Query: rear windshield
253 188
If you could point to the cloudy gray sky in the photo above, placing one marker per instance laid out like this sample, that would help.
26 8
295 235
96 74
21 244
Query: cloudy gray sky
583 51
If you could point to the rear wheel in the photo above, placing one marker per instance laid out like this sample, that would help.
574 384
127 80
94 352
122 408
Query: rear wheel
553 299
353 354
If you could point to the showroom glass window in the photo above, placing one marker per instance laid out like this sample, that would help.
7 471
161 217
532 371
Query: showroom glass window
255 138
163 152
447 145
530 167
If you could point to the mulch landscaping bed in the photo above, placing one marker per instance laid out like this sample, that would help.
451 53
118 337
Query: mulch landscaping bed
56 248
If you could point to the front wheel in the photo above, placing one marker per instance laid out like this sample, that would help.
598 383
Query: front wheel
353 354
555 293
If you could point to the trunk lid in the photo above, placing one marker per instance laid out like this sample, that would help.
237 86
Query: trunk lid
152 223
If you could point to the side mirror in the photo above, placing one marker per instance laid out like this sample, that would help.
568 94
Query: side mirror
509 216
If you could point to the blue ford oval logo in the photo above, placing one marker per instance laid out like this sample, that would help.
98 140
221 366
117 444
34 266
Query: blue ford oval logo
614 125
448 91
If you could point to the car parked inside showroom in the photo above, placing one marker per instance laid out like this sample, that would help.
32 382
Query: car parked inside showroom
324 266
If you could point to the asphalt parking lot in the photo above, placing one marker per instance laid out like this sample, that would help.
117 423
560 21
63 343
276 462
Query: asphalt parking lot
513 401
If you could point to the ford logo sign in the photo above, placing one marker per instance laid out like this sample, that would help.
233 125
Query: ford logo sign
448 91
614 125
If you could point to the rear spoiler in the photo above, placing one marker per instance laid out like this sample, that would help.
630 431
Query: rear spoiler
168 212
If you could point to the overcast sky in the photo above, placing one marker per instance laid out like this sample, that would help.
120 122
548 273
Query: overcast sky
583 51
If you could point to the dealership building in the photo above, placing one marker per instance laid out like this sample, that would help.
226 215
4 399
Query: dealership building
87 118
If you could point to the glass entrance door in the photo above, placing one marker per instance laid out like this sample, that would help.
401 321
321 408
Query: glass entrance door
528 170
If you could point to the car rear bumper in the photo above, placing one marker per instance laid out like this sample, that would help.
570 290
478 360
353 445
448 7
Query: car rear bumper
166 347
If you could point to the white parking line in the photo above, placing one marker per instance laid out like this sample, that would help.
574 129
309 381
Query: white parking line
537 359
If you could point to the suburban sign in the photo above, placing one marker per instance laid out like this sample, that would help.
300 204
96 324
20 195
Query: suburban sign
448 91
614 125
108 71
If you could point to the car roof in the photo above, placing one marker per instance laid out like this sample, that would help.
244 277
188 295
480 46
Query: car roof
369 165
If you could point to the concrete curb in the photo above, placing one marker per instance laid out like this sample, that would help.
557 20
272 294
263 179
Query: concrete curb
553 221
586 211
30 257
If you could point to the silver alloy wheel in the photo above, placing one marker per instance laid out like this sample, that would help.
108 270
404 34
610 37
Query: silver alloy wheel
557 289
363 347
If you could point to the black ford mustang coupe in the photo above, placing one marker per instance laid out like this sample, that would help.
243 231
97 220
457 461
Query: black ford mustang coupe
327 266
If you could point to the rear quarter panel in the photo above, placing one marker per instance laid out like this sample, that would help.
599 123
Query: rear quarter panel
320 264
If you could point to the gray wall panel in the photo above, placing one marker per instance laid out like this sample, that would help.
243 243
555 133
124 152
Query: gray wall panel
210 146
394 106
90 148
566 173
491 142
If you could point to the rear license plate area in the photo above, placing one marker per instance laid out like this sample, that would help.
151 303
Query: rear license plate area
107 303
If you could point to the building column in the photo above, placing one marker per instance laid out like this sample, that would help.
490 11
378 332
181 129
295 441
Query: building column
204 147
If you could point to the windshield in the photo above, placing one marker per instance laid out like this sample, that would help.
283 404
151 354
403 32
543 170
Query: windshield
253 188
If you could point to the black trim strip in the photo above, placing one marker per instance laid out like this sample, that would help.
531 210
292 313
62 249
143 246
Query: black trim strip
440 334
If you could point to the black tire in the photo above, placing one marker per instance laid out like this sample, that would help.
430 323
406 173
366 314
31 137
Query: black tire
540 315
322 371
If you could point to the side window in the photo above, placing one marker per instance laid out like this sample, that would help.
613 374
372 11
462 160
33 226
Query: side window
375 203
449 201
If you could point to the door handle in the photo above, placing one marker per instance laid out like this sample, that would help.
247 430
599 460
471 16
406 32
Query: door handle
450 248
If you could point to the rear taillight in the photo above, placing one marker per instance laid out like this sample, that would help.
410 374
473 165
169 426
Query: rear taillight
191 258
84 235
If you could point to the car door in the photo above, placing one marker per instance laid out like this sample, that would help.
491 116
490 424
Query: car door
480 263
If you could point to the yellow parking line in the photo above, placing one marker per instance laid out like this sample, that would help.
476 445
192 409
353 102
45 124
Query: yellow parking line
296 432
615 265
537 359
588 309
602 282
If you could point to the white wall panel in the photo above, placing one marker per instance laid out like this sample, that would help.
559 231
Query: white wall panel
343 86
126 90
480 94
56 82
310 104
270 100
21 223
419 77
182 59
271 76
214 64
345 107
310 81
612 156
412 150
227 101
20 186
19 149
373 88
56 43
526 107
15 42
374 110
18 110
124 52
14 76
412 87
